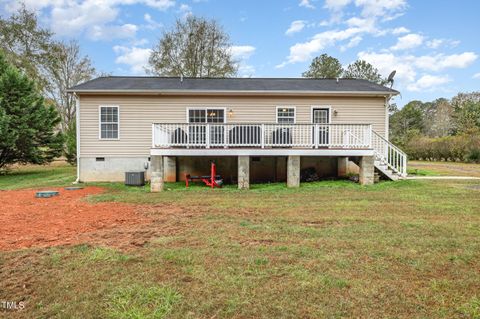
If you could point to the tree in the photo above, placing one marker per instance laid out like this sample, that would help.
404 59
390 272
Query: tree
438 118
195 47
324 67
67 68
468 117
406 123
28 125
71 143
361 69
466 111
26 45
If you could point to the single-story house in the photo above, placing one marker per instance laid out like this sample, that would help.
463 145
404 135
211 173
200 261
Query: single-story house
255 129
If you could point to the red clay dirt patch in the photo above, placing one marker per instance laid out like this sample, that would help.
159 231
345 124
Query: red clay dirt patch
26 221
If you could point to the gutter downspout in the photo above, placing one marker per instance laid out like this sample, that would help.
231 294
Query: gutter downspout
387 118
77 128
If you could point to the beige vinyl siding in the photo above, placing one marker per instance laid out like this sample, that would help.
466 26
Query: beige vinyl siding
137 113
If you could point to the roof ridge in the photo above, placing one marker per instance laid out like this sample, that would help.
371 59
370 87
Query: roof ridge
226 78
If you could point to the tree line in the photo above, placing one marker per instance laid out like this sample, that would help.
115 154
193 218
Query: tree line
443 129
39 124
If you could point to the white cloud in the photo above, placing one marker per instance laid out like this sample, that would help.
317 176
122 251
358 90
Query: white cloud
400 30
408 66
352 43
439 62
185 10
242 51
151 23
336 5
387 9
428 82
246 70
306 4
136 58
408 41
435 43
372 11
73 17
302 52
295 26
113 32
476 75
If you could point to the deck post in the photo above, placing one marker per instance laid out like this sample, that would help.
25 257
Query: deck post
342 166
293 171
156 179
366 170
170 168
243 172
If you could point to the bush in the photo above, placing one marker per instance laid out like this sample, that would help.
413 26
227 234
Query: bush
474 156
449 148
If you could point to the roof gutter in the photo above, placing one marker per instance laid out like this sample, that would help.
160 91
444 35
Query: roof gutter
232 92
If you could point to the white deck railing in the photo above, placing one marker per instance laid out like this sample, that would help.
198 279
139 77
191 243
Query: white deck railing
193 135
389 154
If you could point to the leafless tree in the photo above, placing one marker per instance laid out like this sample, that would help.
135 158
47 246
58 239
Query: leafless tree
195 47
67 68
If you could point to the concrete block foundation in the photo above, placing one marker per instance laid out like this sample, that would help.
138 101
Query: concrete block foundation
243 172
157 177
367 170
293 171
170 168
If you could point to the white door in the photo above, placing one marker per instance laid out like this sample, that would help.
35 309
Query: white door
322 118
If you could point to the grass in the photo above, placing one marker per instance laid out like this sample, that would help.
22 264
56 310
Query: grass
444 168
30 176
137 301
334 249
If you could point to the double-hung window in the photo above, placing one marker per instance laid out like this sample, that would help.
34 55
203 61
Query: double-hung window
285 115
109 123
206 116
201 116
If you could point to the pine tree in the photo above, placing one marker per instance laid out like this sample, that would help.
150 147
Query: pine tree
361 69
28 126
324 67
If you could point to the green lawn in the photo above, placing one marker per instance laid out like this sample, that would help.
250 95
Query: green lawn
408 249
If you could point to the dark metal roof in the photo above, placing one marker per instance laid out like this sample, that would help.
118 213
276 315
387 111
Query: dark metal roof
126 84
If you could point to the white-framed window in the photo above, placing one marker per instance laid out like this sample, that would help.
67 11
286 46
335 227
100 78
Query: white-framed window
206 115
109 124
285 115
198 133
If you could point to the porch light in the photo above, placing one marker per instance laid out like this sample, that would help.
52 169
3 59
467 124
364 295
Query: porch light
335 112
230 112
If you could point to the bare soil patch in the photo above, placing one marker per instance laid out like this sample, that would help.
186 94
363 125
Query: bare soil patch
26 221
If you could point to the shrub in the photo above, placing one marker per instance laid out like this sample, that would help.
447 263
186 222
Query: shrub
449 148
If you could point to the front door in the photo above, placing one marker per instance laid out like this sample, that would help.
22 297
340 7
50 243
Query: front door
322 118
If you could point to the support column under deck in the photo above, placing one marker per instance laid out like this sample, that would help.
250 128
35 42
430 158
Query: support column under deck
293 171
156 179
243 172
367 170
170 167
342 165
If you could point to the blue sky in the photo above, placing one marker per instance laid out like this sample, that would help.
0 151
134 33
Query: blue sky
433 45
